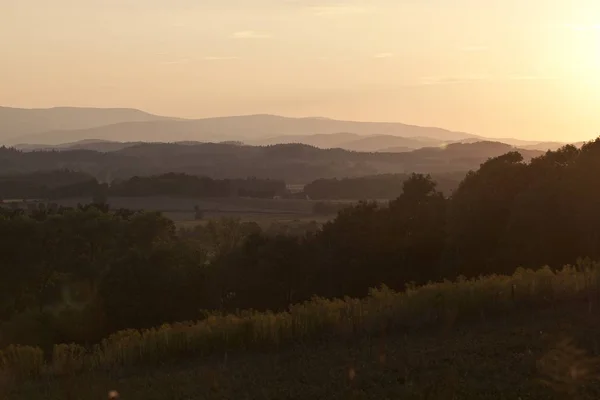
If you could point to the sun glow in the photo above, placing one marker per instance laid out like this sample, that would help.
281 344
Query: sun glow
581 57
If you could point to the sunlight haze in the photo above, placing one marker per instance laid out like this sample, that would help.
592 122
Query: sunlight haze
513 68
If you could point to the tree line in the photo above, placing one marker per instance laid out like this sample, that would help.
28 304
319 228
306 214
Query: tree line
62 184
375 187
293 163
179 184
78 274
66 183
507 214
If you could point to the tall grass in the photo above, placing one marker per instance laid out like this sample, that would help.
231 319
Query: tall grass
434 305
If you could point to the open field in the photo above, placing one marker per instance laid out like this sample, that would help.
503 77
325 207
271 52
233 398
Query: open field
533 335
264 220
222 205
181 210
494 359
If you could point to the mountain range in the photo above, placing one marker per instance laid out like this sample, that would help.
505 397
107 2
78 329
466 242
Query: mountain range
293 163
69 127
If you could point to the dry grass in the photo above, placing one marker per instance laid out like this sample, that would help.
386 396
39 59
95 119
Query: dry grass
437 305
501 358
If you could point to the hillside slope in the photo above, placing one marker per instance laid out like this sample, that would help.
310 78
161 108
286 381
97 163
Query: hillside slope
19 122
354 142
466 340
229 128
295 164
492 360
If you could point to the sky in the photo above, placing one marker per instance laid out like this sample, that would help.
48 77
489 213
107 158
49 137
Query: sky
499 68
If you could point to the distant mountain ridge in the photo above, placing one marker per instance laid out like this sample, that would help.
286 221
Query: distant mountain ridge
244 128
344 141
20 122
41 128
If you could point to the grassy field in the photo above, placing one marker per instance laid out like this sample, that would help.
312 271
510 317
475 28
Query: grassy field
263 220
181 210
183 204
532 335
501 358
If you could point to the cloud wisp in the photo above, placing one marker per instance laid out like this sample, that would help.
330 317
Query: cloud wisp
334 10
530 78
451 80
383 55
250 35
478 78
584 27
176 62
220 58
474 49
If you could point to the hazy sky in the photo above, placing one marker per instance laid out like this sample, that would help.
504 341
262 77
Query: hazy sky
519 68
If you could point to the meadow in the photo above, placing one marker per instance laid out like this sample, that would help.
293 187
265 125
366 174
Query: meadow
264 212
500 359
529 335
233 205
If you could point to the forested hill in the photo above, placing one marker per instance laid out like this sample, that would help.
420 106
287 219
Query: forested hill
293 163
504 215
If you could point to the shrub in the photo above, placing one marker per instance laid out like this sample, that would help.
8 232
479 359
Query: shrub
22 361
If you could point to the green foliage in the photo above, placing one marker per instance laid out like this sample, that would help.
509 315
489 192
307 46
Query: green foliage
172 184
64 183
163 283
511 213
47 184
370 244
329 208
374 187
56 264
295 228
220 237
23 361
198 213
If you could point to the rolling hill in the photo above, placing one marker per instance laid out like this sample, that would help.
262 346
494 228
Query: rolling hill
22 123
353 141
70 127
26 126
293 163
103 146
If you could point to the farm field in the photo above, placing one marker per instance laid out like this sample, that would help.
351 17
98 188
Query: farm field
500 358
181 210
222 205
264 220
